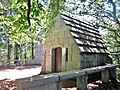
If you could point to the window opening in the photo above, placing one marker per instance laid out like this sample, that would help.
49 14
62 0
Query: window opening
66 54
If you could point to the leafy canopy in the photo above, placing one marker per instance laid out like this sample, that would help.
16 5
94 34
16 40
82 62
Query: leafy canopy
14 18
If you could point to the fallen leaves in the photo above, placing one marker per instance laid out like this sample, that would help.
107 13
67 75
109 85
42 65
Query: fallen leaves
7 84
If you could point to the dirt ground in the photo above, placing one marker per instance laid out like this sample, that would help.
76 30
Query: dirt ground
15 72
98 86
9 74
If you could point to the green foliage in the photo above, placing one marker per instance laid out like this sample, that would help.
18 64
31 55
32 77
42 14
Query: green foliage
15 21
18 27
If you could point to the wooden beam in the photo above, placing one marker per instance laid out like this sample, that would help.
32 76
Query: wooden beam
86 45
88 40
94 53
71 21
93 36
83 29
80 21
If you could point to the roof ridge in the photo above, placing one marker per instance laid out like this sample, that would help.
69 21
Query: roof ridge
86 23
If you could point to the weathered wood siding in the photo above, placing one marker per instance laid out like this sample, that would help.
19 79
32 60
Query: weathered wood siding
92 60
59 36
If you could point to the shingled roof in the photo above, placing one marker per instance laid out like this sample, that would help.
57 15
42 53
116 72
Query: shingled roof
86 35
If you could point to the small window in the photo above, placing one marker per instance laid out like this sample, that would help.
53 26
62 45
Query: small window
66 54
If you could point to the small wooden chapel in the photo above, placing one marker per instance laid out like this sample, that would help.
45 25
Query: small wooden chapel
72 44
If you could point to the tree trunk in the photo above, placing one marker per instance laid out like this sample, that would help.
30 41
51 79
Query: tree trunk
28 18
32 50
9 51
16 54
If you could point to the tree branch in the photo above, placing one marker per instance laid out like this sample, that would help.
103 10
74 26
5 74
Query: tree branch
114 7
114 11
116 35
28 12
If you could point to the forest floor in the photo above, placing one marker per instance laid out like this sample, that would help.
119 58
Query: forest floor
9 74
15 72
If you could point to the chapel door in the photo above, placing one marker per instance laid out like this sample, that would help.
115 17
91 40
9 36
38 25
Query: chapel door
57 59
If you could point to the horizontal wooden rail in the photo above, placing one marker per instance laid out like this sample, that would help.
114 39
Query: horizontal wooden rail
12 62
54 80
76 73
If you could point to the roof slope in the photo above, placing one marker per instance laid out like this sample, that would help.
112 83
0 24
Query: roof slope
86 36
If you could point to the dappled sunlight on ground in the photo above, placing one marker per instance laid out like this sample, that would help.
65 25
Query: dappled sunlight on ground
15 72
69 88
98 85
9 74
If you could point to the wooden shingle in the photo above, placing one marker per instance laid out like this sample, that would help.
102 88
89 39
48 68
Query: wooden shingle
86 36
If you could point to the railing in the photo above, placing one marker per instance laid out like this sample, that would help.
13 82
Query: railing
54 81
13 62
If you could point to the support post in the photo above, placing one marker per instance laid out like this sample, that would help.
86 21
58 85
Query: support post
113 77
105 75
113 73
59 83
82 82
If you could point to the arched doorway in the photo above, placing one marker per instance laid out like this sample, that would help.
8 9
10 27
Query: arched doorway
57 59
